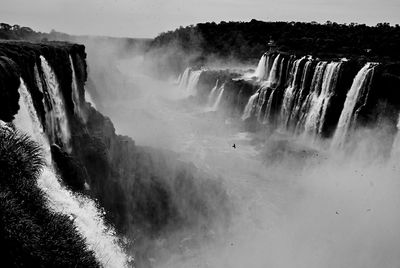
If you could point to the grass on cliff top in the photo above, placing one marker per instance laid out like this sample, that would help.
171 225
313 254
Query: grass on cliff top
31 234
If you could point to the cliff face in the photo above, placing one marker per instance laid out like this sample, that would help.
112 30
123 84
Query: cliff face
143 190
304 94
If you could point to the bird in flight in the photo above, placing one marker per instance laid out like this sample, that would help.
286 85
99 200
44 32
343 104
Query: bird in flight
234 146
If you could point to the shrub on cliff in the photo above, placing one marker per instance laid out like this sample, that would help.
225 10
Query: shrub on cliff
31 234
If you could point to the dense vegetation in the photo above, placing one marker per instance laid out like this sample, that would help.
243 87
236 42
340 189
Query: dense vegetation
31 235
246 41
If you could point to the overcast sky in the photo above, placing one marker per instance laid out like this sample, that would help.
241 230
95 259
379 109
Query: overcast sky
147 18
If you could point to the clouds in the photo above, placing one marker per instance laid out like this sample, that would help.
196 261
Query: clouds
147 18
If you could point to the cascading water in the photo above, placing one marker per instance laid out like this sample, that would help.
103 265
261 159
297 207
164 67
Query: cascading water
56 116
189 80
83 211
212 95
300 97
193 80
250 106
89 99
184 78
75 93
290 92
396 144
359 88
320 100
309 101
264 91
220 94
261 70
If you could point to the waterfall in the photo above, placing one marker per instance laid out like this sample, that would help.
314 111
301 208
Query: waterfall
250 106
307 105
396 144
266 88
212 95
261 68
300 97
220 93
320 99
75 93
290 93
193 80
89 99
83 211
56 117
184 78
189 80
273 76
359 88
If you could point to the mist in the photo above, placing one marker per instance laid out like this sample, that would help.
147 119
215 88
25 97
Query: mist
291 201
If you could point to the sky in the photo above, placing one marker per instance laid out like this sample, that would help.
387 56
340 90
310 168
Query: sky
148 18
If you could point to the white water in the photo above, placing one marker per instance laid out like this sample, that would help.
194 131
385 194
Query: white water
396 144
189 80
261 70
212 96
219 98
84 212
89 99
184 78
250 106
56 116
193 80
308 106
274 74
347 115
319 102
255 105
295 114
75 93
288 97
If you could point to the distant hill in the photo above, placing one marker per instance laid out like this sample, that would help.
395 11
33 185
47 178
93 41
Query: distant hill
248 40
17 32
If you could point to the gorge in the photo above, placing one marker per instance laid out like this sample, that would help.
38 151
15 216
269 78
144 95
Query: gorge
291 162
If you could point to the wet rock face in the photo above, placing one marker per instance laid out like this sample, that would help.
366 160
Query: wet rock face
9 84
380 103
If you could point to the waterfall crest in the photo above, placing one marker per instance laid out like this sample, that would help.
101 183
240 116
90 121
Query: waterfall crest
250 106
57 122
359 89
218 100
189 80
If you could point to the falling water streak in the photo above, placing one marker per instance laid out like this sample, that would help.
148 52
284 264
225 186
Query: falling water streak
83 211
265 86
89 99
193 80
295 114
275 78
260 102
217 102
185 78
347 116
310 100
75 93
320 101
288 97
250 106
55 112
261 68
395 154
212 95
178 80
